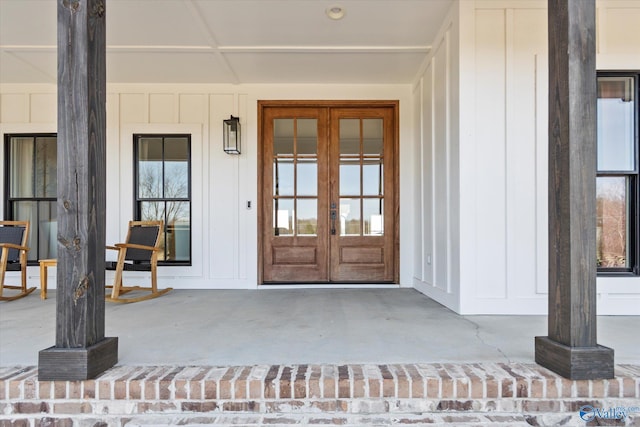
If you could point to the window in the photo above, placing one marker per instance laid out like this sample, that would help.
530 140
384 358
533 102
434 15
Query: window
163 191
617 179
31 191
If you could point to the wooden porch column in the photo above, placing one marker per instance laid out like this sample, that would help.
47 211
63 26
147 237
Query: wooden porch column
81 350
571 349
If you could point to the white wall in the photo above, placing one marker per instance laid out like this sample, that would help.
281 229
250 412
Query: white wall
436 246
501 149
224 231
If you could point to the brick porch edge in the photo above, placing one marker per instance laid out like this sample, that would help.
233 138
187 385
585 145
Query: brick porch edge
478 394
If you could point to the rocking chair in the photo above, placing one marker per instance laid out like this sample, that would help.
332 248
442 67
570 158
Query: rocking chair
139 253
13 242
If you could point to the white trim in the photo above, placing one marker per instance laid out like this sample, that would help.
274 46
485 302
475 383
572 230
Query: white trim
124 211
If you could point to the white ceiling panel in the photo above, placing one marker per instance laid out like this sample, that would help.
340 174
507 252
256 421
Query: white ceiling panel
28 66
165 67
233 41
304 23
28 22
152 23
325 67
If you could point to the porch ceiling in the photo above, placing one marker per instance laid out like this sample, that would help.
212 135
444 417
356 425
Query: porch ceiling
233 41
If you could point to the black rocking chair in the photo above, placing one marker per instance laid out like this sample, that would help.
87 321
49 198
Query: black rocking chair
13 242
139 253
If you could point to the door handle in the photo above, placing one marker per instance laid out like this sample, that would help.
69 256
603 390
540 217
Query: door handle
333 216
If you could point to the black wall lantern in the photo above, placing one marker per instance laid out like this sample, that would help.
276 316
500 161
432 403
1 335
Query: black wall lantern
231 135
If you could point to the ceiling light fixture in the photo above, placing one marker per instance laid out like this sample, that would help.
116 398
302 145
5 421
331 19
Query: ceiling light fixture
335 12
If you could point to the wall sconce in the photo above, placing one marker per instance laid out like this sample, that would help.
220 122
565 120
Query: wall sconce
231 135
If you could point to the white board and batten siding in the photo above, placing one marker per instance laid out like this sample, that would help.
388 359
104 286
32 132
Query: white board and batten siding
500 117
224 236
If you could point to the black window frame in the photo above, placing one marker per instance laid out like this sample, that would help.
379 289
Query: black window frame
633 218
137 211
9 202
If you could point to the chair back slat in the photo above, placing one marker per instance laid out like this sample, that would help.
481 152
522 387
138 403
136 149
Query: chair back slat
142 235
14 235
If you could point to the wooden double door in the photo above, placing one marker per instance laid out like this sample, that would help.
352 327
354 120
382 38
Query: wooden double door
328 183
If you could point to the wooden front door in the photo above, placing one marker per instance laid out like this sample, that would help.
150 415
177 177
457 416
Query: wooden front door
329 192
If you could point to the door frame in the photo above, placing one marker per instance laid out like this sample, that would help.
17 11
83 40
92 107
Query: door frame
394 104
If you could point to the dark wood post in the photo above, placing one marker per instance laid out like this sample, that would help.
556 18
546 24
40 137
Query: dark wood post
81 350
571 349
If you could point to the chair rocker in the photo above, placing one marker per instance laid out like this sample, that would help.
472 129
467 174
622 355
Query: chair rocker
13 242
139 253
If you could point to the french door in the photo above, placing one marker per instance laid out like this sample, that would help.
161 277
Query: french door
328 183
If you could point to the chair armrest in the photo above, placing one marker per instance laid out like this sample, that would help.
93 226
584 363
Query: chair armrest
13 246
136 246
113 248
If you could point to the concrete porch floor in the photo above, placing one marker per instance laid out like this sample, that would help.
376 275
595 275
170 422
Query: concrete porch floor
299 326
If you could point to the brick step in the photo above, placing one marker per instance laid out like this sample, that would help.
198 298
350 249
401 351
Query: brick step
418 394
430 419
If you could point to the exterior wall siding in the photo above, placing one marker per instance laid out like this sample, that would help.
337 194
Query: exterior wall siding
492 140
437 269
224 236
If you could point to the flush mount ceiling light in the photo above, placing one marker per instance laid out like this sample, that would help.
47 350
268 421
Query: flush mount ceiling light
335 12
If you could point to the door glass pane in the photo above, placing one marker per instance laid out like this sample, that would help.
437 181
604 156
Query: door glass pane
349 136
283 214
615 124
612 235
178 240
307 217
350 217
372 178
282 137
307 136
150 182
373 217
21 158
372 136
307 177
349 177
46 167
283 177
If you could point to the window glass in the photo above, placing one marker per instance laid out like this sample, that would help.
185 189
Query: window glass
163 164
612 237
617 192
46 167
21 153
616 146
150 180
31 179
